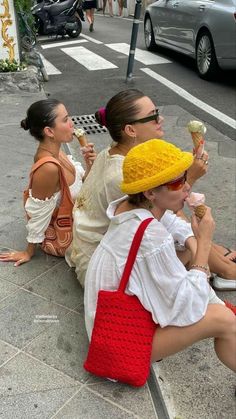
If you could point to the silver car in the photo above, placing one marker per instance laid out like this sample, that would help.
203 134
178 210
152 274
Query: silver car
202 29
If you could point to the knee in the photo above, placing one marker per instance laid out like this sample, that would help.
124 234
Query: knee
227 321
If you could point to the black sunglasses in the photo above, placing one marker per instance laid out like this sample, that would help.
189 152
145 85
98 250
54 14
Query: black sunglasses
154 117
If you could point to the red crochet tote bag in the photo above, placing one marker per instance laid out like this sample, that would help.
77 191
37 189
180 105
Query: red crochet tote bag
121 342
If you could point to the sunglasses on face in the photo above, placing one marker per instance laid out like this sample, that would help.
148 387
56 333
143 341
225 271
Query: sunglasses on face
176 184
154 117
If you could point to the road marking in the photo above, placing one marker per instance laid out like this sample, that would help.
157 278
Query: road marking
51 70
144 57
197 102
91 39
61 44
88 59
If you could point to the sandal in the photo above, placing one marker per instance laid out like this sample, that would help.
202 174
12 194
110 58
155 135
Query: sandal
229 251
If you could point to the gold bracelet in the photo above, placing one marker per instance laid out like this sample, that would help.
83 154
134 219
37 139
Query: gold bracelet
203 267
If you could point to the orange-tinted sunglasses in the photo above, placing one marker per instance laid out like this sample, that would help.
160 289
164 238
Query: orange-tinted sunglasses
176 184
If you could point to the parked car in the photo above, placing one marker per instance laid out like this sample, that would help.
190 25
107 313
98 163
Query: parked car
202 29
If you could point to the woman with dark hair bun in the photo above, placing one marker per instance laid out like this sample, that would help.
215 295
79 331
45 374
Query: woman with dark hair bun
49 123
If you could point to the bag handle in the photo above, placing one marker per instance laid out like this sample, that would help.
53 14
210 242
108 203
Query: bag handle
63 183
133 253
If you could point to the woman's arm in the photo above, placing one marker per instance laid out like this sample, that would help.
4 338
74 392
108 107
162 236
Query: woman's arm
39 206
198 169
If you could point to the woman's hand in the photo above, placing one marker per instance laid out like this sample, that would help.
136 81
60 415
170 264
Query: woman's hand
203 229
198 169
89 156
18 257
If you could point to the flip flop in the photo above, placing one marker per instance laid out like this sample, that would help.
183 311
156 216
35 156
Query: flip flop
228 253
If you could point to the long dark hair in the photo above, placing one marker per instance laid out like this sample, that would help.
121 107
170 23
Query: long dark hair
40 114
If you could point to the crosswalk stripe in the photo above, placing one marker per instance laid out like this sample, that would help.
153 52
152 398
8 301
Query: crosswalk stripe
61 44
91 39
144 57
88 59
184 94
51 70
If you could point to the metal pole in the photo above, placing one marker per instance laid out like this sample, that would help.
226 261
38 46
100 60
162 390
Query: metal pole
137 12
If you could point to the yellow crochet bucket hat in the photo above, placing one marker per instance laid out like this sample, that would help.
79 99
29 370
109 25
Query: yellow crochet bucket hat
152 164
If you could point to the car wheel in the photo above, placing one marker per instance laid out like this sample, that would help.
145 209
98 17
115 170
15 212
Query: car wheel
205 56
148 35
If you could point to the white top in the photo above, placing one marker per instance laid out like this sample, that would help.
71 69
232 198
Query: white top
90 219
172 294
100 188
40 211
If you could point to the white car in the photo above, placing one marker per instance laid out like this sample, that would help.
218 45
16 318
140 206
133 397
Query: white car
202 29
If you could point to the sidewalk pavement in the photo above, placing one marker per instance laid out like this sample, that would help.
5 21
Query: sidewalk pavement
42 336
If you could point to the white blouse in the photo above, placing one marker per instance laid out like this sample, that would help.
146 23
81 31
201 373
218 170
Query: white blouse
40 211
172 294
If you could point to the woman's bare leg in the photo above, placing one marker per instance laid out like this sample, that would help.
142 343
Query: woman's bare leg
88 16
120 3
110 7
92 15
218 263
104 3
221 265
225 251
219 322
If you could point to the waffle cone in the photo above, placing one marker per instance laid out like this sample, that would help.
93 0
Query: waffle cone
197 139
83 141
200 211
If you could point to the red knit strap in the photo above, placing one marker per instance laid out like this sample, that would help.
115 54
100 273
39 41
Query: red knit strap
132 253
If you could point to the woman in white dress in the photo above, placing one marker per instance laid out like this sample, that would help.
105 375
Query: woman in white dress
154 178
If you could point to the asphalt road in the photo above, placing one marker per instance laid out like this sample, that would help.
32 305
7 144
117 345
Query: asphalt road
84 90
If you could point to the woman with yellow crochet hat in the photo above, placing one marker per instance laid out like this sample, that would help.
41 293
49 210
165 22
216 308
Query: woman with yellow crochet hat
154 179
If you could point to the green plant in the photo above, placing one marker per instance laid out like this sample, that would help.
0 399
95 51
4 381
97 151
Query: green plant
25 7
7 66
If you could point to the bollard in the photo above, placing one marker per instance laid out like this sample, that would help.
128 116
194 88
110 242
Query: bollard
137 12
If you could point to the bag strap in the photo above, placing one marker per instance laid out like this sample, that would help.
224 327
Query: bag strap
65 190
132 253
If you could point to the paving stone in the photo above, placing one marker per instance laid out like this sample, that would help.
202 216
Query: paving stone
37 405
6 288
24 273
13 107
25 375
63 347
88 405
6 352
192 380
20 319
60 285
125 396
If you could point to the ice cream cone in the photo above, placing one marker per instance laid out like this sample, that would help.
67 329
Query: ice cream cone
195 202
197 130
80 135
200 211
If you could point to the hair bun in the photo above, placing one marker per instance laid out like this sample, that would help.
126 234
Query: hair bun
25 124
100 116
